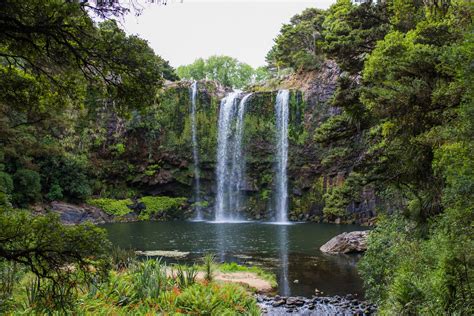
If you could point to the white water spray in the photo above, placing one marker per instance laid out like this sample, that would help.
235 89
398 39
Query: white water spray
197 176
281 110
230 170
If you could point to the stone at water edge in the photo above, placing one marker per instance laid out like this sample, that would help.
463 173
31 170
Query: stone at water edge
347 243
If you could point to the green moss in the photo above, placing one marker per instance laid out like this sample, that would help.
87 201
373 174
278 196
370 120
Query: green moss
201 204
311 198
151 170
111 206
160 204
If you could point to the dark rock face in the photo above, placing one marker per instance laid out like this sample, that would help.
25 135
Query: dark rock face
71 214
347 243
321 306
74 214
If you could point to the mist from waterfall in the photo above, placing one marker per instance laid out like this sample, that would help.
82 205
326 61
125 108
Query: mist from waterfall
230 157
281 180
197 175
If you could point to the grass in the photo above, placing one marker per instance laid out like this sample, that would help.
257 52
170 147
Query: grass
234 267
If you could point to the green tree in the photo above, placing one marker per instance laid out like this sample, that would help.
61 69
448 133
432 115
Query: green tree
27 184
351 31
60 256
299 44
424 264
227 70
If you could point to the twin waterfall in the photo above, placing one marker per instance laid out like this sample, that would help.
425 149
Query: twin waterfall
230 159
230 170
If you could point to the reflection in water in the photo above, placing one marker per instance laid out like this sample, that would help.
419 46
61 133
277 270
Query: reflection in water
290 251
221 241
283 283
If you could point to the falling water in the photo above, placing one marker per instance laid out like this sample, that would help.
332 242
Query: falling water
230 158
197 181
281 110
238 159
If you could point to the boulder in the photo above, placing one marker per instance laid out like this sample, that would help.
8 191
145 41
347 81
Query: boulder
71 214
347 243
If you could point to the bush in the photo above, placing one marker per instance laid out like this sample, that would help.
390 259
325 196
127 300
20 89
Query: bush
160 204
6 183
150 279
70 173
225 299
62 257
55 193
6 188
111 206
27 184
408 273
122 259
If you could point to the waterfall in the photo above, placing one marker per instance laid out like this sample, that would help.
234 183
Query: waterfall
238 159
281 183
197 180
230 169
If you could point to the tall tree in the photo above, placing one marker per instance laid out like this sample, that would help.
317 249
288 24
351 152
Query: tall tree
298 45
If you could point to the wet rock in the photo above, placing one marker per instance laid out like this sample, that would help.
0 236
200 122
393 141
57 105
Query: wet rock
278 303
335 305
347 243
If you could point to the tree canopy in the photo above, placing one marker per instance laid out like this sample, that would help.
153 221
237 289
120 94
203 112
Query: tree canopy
227 70
299 44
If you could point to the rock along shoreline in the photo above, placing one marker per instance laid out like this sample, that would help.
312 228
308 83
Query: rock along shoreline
317 305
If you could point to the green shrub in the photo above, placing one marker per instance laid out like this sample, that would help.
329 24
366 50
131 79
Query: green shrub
6 183
55 193
225 299
185 276
27 186
111 206
6 188
119 148
122 258
64 258
70 173
209 261
147 290
150 279
160 204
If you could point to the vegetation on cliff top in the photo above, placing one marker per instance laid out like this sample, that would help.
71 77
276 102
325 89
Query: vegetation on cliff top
227 70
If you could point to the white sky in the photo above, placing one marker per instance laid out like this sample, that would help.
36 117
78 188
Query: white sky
183 32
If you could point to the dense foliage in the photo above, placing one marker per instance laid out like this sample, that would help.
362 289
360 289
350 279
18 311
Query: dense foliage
58 256
138 288
407 94
299 44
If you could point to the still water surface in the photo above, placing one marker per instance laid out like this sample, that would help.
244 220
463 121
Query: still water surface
290 251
